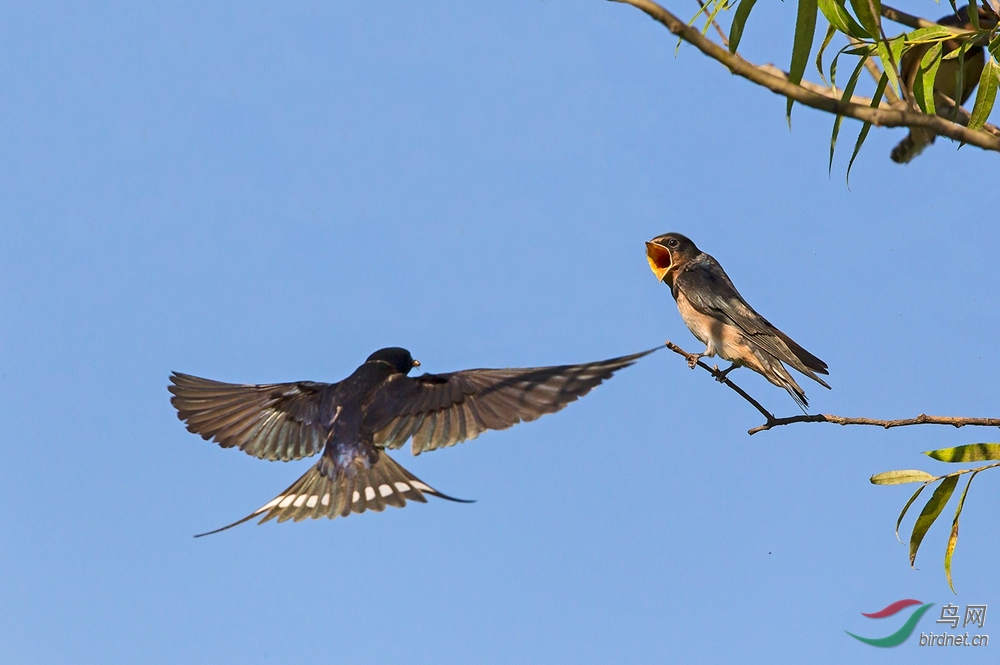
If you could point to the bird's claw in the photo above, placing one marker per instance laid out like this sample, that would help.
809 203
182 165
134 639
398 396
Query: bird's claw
693 359
720 376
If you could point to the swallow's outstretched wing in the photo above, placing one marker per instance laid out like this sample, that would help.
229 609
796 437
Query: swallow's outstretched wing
709 290
278 421
440 410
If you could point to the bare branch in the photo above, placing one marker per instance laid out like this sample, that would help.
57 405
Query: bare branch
922 419
772 421
882 117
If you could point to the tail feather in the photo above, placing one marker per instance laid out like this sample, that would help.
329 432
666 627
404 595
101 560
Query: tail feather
330 491
776 373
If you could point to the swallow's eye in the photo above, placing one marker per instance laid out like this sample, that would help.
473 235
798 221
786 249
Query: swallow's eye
672 242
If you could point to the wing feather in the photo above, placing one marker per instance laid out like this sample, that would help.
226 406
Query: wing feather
280 421
440 410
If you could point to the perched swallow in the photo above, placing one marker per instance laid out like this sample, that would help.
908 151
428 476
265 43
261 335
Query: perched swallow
947 81
354 420
716 313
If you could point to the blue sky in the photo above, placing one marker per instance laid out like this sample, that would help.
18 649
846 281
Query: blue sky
270 192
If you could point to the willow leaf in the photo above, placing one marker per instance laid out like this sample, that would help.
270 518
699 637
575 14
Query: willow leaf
953 538
972 452
909 503
923 84
986 95
805 30
846 98
869 14
890 52
739 21
932 509
902 477
830 32
876 100
840 18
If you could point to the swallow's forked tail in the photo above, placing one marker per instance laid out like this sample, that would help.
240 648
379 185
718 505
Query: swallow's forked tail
329 491
776 373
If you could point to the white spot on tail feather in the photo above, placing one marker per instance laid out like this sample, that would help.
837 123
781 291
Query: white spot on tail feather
313 500
270 504
356 497
369 493
402 487
384 490
421 486
287 501
300 500
326 499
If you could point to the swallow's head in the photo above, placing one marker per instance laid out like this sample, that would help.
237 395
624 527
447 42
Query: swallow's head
667 253
399 359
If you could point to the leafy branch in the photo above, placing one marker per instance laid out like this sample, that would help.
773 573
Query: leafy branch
974 452
923 108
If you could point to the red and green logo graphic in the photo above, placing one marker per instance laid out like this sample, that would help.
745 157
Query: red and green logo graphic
905 630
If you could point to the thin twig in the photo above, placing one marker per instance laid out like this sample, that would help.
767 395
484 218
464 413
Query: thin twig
922 419
721 378
772 421
722 35
881 117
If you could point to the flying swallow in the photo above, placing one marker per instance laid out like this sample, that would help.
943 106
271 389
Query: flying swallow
716 313
353 422
955 78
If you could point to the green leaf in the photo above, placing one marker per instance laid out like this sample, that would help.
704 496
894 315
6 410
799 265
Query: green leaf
953 538
830 32
923 84
846 97
974 20
739 20
863 49
890 53
876 100
719 6
805 30
902 477
902 513
986 95
869 12
934 33
841 20
994 47
932 509
973 452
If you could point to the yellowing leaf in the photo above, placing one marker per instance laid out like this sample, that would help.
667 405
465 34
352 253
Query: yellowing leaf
973 452
902 477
